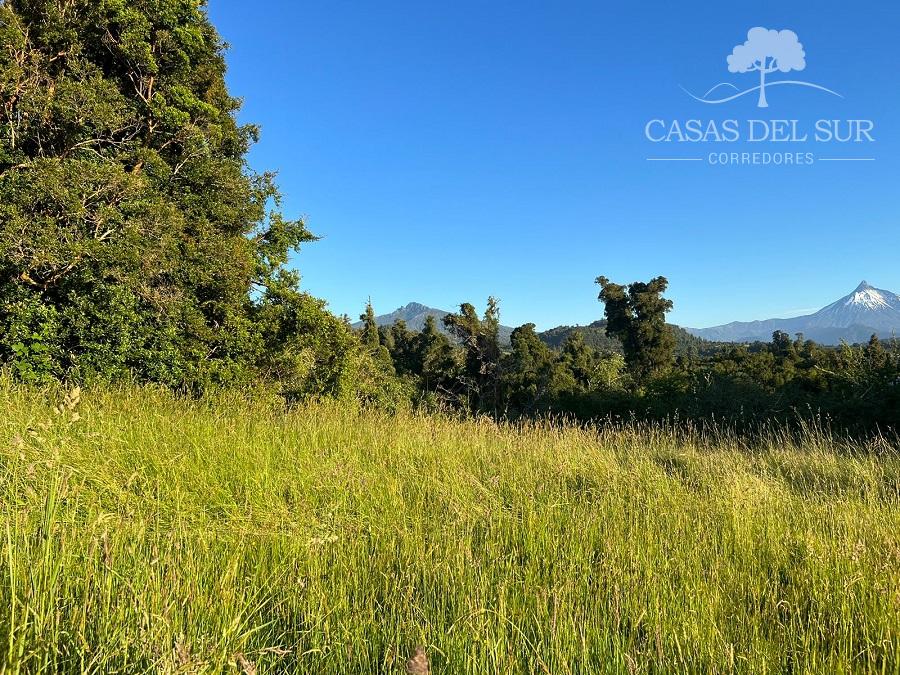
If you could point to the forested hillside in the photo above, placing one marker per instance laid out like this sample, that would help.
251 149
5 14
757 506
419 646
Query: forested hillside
594 335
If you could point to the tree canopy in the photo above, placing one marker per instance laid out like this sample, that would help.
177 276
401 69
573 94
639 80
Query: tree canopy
134 237
636 314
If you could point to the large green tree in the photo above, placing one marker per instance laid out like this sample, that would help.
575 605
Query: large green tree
369 335
636 315
439 362
480 339
134 238
533 375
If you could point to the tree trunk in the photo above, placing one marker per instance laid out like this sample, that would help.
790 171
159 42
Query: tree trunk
762 103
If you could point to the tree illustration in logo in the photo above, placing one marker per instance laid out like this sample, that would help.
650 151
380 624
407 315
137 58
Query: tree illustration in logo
766 51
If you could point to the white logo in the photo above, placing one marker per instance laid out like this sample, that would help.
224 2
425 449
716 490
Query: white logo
766 52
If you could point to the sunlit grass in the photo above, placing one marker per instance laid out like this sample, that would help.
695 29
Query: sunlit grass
147 533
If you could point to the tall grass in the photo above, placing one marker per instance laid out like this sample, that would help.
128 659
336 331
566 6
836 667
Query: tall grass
147 533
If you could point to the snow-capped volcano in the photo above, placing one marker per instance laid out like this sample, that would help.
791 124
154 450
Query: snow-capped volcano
869 297
866 306
853 318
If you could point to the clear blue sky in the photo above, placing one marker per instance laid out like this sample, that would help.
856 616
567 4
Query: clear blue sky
449 151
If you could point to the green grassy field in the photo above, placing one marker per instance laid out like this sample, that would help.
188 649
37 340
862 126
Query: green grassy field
146 533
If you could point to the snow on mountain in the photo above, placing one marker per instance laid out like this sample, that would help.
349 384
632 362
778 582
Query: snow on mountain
868 297
866 306
853 318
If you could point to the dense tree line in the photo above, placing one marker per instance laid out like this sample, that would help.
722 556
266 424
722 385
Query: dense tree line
788 379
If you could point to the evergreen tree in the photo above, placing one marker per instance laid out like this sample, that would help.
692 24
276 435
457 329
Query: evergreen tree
403 350
371 340
369 335
590 368
439 366
481 343
386 337
782 345
134 238
636 315
876 354
533 376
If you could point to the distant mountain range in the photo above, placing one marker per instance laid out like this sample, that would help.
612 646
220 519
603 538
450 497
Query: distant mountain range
854 318
594 335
